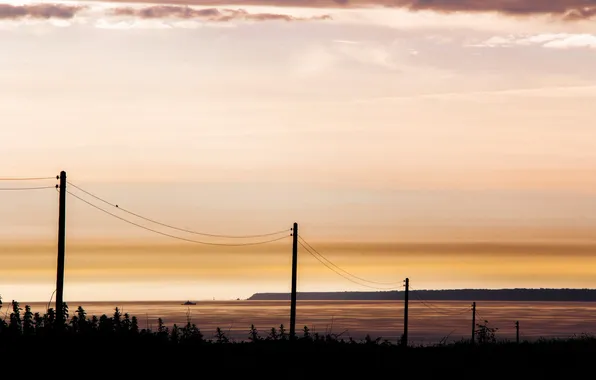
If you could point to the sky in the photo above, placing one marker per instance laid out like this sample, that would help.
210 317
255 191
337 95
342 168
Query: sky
451 142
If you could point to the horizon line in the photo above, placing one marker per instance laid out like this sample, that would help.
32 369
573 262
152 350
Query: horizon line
319 292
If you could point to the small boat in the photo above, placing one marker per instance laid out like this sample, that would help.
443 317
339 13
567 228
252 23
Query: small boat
189 303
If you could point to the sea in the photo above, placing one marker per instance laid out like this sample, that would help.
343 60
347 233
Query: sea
429 322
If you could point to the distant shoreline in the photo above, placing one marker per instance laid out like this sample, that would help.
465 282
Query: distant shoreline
548 295
471 295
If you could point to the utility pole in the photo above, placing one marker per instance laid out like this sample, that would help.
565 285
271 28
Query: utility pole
406 297
473 322
294 273
517 332
61 245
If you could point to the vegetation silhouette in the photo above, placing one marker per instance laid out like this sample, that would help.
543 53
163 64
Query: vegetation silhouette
117 338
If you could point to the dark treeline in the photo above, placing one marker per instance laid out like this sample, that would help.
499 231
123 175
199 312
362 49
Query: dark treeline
96 345
550 295
21 323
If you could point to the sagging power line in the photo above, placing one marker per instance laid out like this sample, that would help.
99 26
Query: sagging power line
275 233
26 188
25 178
438 309
343 270
321 259
297 239
174 236
62 191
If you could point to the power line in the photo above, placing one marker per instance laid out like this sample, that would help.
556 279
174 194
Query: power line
174 227
174 236
345 271
438 309
480 316
26 188
339 273
25 178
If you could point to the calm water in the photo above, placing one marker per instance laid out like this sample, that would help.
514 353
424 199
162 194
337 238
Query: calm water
429 322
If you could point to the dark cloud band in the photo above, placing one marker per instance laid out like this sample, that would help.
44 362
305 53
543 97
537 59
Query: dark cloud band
570 10
61 11
39 11
209 14
564 9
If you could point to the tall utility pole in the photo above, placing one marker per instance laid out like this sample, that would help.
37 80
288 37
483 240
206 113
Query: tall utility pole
61 245
294 273
473 322
406 297
517 332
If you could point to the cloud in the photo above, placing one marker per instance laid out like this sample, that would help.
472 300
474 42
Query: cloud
209 14
549 40
39 11
567 9
571 10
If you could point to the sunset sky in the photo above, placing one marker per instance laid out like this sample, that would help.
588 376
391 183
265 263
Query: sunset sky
451 142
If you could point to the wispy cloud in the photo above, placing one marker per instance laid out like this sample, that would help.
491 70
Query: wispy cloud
39 11
549 40
567 9
46 11
208 14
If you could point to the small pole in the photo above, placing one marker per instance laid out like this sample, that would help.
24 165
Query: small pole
406 297
473 322
61 245
294 274
517 332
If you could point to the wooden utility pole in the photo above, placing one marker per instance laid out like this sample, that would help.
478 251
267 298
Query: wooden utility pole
406 298
61 245
473 322
294 274
517 332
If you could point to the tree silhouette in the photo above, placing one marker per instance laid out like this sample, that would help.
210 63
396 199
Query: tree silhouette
306 333
253 334
116 319
126 323
282 332
134 325
485 334
28 322
273 334
106 325
15 318
220 336
175 334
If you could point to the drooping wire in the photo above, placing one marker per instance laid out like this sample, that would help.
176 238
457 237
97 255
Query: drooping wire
174 227
440 310
343 270
26 188
338 272
174 236
25 178
449 312
480 316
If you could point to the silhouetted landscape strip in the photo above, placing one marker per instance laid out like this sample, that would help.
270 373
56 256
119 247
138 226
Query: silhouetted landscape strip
117 342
